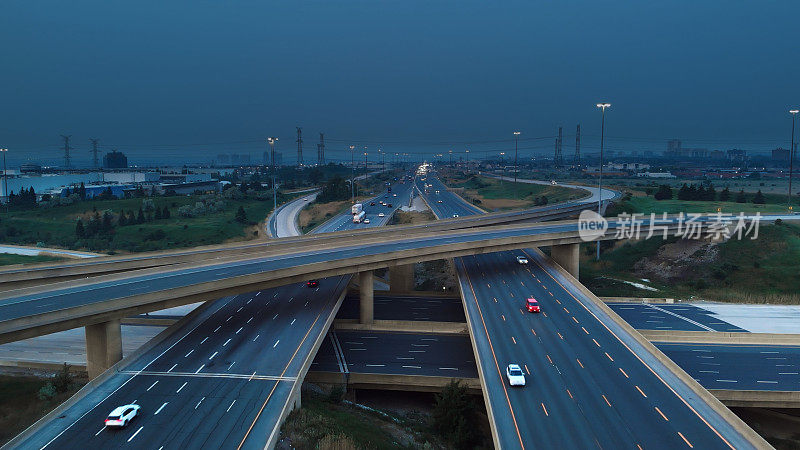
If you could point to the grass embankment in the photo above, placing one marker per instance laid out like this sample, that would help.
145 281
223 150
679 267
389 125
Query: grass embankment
763 270
325 424
20 406
649 204
214 223
412 217
314 214
7 259
496 195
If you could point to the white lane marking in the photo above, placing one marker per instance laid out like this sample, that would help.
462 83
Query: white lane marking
248 320
290 299
226 343
402 357
727 381
251 376
240 308
447 368
239 330
204 341
160 408
770 382
375 365
231 406
306 304
190 352
412 367
254 339
787 373
201 368
292 322
213 355
134 434
217 329
182 386
276 343
229 367
151 386
170 369
275 317
101 430
709 371
198 403
226 320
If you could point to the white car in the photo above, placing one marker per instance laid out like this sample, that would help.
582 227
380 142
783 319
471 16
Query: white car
366 220
522 260
455 216
394 195
381 215
516 377
122 415
553 182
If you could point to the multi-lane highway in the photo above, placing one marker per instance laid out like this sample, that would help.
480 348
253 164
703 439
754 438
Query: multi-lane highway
661 316
590 384
222 381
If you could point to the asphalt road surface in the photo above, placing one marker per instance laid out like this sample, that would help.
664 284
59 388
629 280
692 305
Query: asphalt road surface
400 307
221 381
661 316
589 384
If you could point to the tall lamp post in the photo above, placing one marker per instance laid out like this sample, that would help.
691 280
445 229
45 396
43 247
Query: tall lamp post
365 169
602 107
5 176
272 141
353 176
793 112
503 166
516 146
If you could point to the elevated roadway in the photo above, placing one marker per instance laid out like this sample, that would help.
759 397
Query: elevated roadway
592 381
223 377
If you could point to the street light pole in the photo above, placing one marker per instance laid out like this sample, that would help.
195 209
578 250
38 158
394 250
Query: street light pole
793 112
353 176
271 141
516 146
5 176
602 107
365 169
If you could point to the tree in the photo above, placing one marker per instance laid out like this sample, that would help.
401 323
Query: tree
759 198
106 225
725 195
165 213
79 230
158 213
333 190
683 192
711 193
241 215
82 191
741 197
664 192
140 217
454 416
131 218
122 221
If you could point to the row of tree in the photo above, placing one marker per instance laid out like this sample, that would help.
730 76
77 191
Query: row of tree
706 192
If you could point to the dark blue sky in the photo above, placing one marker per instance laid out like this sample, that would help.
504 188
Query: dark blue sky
188 80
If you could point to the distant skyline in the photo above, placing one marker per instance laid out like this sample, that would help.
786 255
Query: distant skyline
185 81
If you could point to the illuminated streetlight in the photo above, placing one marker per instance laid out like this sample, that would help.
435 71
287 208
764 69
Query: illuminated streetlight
602 107
353 176
272 141
5 176
516 145
793 112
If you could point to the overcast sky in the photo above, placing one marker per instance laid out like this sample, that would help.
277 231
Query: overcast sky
188 80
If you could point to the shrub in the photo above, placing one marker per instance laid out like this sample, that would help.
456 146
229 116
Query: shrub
47 392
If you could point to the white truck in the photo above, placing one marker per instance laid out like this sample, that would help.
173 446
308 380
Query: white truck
357 209
358 218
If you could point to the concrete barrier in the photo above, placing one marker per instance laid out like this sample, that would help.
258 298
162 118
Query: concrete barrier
716 405
720 337
637 300
403 326
758 399
391 382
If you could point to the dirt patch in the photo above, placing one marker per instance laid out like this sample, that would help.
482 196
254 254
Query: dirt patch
412 217
677 261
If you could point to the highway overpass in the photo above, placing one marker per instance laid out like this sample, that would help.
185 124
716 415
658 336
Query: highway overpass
593 380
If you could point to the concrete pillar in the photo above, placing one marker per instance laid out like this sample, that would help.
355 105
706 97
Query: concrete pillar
567 256
401 278
297 403
366 293
103 346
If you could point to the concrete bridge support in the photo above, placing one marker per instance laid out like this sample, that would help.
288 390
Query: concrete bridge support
401 278
567 256
103 346
366 293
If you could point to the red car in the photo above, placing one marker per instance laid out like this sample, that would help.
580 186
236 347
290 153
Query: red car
532 305
312 283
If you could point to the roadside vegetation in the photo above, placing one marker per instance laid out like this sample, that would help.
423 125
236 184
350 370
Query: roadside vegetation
26 399
763 270
412 217
327 421
141 223
7 259
496 195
